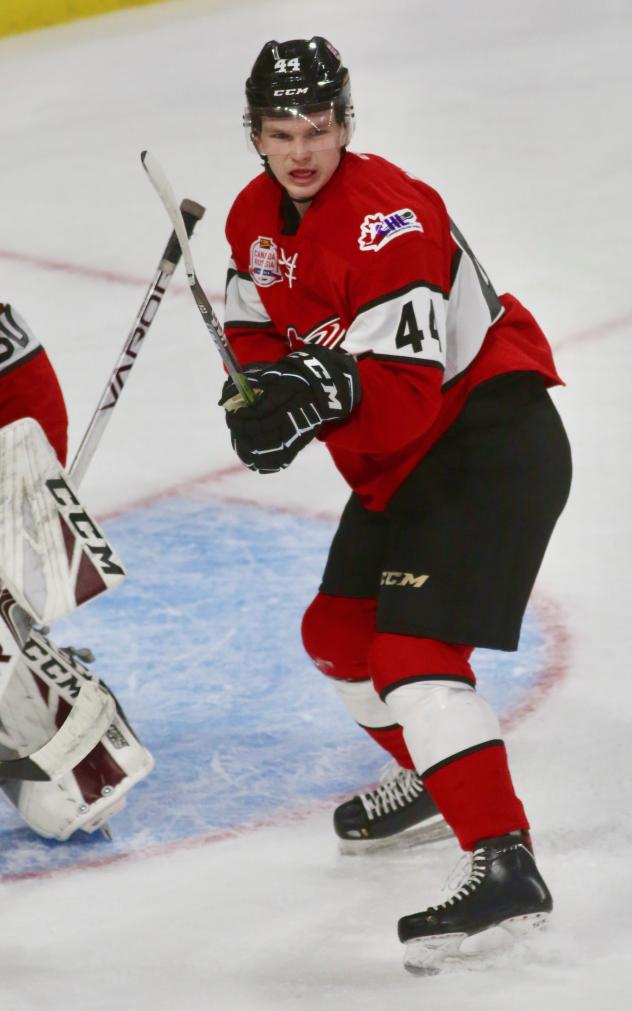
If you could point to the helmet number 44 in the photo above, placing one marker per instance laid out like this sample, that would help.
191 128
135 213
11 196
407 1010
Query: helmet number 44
286 66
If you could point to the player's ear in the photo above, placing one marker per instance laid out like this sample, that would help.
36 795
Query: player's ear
345 134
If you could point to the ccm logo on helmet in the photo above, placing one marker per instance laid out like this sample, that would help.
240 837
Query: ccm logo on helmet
291 91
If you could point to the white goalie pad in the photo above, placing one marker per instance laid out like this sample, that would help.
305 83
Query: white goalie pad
53 555
31 710
10 649
89 705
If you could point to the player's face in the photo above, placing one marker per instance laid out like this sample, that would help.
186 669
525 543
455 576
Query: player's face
303 151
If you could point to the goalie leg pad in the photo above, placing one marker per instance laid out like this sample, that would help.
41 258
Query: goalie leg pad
53 554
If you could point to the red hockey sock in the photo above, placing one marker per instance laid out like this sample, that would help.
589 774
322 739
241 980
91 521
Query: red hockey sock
395 658
392 740
475 795
337 633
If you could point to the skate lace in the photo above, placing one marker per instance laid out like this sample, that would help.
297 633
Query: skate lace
397 790
465 877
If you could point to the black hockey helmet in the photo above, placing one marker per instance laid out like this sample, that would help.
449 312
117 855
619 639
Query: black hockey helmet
297 78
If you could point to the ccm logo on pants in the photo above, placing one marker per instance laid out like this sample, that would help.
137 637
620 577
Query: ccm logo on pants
402 579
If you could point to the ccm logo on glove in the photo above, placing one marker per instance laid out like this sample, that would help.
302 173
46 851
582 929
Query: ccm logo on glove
296 396
321 373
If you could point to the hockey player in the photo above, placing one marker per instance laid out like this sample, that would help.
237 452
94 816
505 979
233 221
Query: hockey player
31 710
28 384
362 318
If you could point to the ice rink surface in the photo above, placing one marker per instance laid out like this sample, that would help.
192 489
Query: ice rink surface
518 114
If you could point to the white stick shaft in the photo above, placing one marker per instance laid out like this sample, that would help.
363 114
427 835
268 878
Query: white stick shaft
119 375
189 214
163 188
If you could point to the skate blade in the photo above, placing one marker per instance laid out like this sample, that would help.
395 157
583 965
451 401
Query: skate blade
428 956
431 830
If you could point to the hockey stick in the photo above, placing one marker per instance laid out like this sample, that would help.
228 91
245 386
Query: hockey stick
91 705
163 188
190 213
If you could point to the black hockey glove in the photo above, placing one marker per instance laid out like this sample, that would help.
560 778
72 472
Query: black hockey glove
298 395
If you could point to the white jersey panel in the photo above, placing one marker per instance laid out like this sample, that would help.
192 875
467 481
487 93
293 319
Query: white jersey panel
243 304
468 319
409 325
16 340
473 307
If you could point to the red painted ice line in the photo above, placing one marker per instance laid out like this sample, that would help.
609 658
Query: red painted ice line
594 332
91 273
558 660
558 647
113 277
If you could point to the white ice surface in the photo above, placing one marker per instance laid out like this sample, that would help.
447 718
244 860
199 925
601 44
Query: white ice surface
519 114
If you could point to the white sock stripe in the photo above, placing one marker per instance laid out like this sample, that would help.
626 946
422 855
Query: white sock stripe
364 704
440 721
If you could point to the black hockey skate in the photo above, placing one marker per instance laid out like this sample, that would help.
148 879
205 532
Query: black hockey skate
504 889
399 812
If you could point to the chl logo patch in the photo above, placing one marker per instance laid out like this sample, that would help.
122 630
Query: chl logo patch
377 230
403 579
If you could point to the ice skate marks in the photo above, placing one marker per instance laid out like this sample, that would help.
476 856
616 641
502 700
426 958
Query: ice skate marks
202 647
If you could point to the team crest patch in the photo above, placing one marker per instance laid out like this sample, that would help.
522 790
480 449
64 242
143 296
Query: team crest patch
378 229
264 262
330 334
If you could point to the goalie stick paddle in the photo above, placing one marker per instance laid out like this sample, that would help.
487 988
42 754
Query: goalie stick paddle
190 213
163 188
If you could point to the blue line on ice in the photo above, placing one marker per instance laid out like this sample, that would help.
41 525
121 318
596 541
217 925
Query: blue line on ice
202 646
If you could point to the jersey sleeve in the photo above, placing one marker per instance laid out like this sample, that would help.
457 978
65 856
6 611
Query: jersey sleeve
431 311
398 294
248 326
473 307
28 385
249 329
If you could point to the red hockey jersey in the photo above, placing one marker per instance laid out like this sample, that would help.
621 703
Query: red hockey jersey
376 267
28 384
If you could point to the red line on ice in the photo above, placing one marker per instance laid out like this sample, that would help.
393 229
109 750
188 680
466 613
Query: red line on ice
551 618
558 653
114 277
91 273
195 842
594 332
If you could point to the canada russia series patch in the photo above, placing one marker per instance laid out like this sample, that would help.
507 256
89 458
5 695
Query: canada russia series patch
267 267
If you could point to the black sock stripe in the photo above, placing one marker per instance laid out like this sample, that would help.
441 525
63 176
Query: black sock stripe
415 678
391 726
461 754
